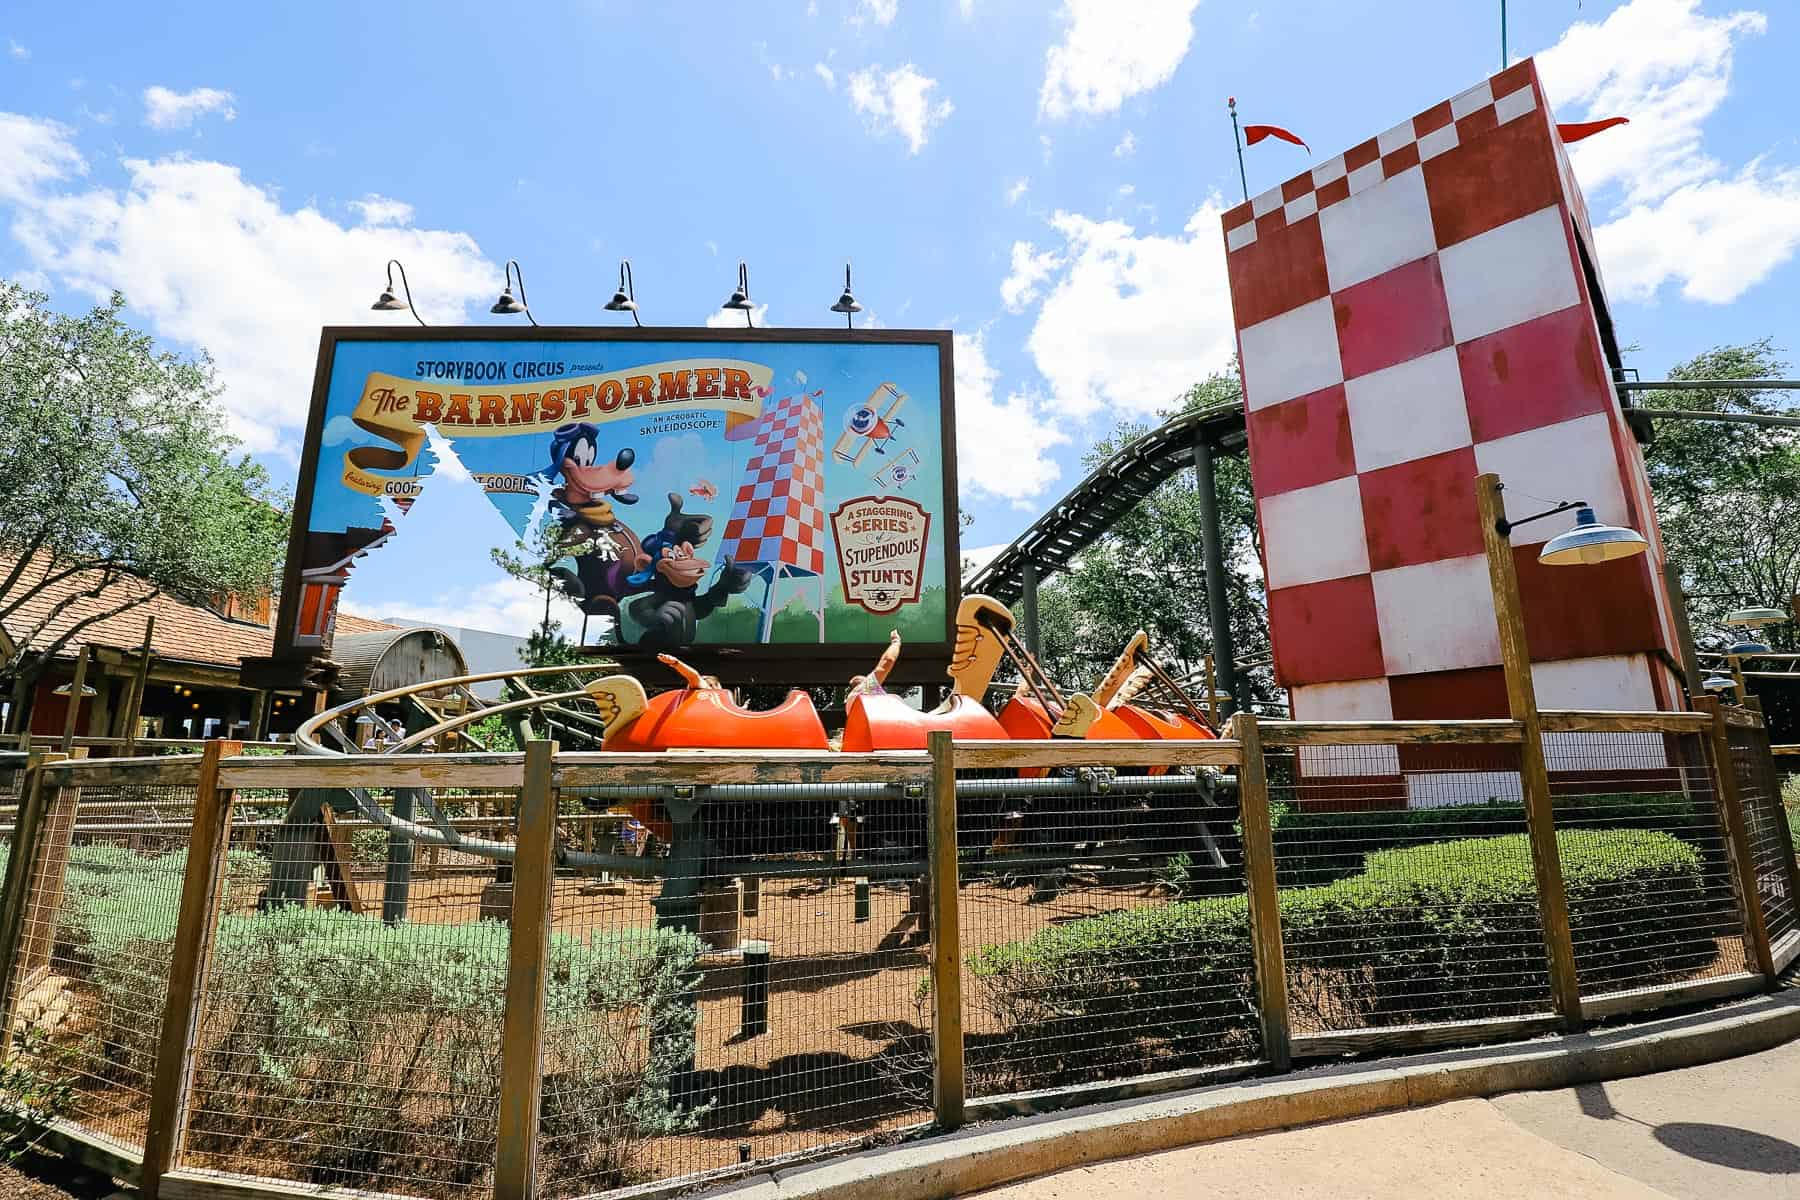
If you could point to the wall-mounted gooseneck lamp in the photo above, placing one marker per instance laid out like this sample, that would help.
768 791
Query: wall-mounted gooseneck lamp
625 299
846 303
508 304
1588 543
740 295
388 301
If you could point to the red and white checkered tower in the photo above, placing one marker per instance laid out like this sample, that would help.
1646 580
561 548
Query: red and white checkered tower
1422 309
777 525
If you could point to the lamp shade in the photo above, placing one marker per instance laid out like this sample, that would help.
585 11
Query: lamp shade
1718 683
1743 649
87 689
1591 542
388 302
1755 615
507 303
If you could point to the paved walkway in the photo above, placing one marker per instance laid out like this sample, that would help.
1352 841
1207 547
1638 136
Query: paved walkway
1728 1129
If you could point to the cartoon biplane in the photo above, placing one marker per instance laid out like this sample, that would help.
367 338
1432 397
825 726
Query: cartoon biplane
871 425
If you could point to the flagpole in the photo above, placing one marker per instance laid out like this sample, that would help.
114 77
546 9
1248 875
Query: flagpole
1238 141
1503 55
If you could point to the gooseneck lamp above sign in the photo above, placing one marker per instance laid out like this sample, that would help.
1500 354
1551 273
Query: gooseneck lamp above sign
1588 543
625 299
846 303
508 304
388 301
740 295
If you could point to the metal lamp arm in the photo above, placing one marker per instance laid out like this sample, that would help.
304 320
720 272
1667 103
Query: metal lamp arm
1505 526
396 264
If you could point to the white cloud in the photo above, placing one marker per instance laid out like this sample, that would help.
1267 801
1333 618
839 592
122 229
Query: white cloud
382 210
825 74
1127 322
978 557
510 606
209 260
1111 52
1127 145
900 100
33 153
712 247
1016 191
1677 215
165 109
881 12
966 8
1030 268
1127 189
732 318
17 51
1002 445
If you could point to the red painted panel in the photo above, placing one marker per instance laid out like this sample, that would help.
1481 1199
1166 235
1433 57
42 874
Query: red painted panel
1432 119
1421 511
1392 318
1492 177
1470 695
1325 632
1301 442
1337 189
1513 78
1281 270
1403 159
1349 793
1296 187
1586 611
1361 154
1534 374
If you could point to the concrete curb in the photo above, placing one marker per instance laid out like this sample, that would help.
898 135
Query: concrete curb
970 1160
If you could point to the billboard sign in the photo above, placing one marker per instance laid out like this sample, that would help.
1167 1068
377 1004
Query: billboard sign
759 490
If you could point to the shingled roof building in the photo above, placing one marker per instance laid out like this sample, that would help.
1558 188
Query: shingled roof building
192 688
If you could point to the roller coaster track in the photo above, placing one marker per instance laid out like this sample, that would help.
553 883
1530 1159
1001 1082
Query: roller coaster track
1110 491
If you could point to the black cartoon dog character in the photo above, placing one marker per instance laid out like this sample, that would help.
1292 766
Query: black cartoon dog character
583 503
672 610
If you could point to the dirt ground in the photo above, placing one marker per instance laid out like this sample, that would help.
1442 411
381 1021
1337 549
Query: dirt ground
48 1177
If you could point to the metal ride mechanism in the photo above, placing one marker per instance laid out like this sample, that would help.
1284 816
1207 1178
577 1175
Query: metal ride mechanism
723 830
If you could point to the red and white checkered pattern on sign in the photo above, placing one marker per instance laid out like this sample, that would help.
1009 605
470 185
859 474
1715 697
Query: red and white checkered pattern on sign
779 516
1410 315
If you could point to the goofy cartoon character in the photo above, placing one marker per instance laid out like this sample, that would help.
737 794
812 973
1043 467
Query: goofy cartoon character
583 502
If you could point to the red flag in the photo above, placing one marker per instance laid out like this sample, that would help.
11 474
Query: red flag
1583 129
1256 133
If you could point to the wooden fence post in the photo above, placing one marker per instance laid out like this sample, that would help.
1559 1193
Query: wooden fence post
16 894
528 952
1730 799
1534 774
195 924
1265 901
947 1077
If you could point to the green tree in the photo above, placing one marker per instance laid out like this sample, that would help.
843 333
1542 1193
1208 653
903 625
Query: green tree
116 467
1147 572
1728 495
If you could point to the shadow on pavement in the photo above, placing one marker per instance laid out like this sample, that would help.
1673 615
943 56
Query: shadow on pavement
1729 1146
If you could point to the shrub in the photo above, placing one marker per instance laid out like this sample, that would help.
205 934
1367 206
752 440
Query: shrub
353 1050
1423 933
1318 847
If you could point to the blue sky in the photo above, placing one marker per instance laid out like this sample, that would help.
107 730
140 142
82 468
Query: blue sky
1044 179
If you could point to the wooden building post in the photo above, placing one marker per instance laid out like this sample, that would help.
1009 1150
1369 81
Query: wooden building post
947 1074
202 888
140 680
528 952
73 711
1265 901
1534 773
1730 799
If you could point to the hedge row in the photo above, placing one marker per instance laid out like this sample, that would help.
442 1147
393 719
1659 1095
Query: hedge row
1442 931
1318 847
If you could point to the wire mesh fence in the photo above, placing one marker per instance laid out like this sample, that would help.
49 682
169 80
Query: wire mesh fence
754 961
1406 887
334 1046
1104 928
1766 825
741 972
1646 865
91 971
